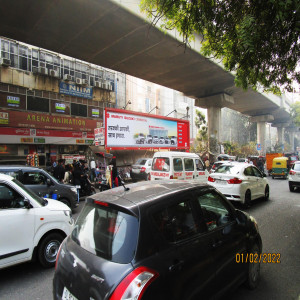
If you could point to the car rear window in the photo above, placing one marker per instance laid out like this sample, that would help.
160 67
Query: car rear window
161 164
141 161
106 232
228 169
296 167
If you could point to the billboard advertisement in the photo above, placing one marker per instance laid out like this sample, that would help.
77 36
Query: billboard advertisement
132 130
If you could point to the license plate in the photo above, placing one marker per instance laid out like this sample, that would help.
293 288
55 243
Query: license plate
67 295
220 181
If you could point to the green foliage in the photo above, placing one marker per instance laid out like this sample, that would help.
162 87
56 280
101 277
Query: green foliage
295 113
240 151
257 39
200 123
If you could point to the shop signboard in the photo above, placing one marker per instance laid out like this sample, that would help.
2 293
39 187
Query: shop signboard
75 90
45 121
131 130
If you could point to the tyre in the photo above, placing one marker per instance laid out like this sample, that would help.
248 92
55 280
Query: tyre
247 202
48 249
65 201
253 271
267 193
272 177
291 187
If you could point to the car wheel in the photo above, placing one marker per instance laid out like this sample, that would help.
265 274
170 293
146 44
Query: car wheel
253 275
267 193
291 187
65 201
247 202
272 177
48 249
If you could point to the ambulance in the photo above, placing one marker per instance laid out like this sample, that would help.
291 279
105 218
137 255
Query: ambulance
178 165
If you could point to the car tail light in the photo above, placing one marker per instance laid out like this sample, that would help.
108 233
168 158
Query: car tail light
57 256
143 169
235 181
210 179
292 172
171 177
134 284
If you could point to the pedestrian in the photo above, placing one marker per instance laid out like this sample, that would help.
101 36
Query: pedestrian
260 165
68 178
207 163
114 172
77 174
59 171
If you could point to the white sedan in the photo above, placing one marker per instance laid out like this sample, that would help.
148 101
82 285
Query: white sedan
241 182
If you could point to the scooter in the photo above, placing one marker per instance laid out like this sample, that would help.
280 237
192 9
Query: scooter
104 185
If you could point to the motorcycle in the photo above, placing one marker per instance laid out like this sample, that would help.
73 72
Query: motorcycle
104 184
87 187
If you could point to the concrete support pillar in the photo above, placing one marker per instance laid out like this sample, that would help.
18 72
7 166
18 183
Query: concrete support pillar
214 125
261 131
280 135
214 103
292 140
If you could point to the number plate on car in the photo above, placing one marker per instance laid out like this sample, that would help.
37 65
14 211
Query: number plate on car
67 295
220 181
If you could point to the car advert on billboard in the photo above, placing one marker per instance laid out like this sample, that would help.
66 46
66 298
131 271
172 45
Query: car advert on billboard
132 130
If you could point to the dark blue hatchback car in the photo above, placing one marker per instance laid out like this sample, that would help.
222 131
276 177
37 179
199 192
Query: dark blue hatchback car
157 240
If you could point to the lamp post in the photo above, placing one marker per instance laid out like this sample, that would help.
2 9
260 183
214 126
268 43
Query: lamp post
155 107
129 102
171 112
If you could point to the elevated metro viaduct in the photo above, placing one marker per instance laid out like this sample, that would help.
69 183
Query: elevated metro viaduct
116 35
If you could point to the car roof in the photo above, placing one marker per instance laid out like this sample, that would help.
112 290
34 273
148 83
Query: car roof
6 177
146 192
175 153
16 167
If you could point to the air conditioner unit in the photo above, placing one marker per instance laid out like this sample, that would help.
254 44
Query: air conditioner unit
5 62
78 81
85 81
42 64
35 70
98 84
67 77
43 71
53 73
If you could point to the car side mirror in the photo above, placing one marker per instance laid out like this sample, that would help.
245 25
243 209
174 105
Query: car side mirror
240 217
27 203
49 181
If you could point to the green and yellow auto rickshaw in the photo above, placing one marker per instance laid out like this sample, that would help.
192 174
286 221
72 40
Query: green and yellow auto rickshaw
280 167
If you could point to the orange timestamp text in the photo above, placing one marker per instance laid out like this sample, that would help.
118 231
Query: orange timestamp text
265 258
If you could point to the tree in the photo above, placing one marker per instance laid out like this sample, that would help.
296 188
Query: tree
295 113
257 39
200 123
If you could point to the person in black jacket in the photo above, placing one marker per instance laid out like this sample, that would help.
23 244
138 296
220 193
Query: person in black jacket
114 172
59 171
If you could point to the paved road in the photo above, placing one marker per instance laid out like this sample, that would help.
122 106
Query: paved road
279 223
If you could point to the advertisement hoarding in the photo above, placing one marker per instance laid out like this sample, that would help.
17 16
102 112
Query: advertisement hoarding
132 130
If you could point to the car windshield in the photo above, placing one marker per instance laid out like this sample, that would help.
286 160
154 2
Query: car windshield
141 161
228 169
106 232
38 199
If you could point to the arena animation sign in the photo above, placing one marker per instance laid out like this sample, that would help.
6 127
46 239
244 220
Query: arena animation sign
132 130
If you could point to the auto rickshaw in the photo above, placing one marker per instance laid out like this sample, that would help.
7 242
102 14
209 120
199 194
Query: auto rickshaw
280 167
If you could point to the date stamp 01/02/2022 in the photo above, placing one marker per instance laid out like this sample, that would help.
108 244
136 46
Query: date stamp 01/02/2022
265 258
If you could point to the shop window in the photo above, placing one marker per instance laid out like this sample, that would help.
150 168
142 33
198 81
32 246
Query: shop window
78 110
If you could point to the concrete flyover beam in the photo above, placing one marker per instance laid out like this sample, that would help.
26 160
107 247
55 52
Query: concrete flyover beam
262 118
216 100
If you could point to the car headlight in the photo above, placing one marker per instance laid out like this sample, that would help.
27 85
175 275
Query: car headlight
254 222
68 213
74 190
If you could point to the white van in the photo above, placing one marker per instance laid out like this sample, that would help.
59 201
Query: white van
178 165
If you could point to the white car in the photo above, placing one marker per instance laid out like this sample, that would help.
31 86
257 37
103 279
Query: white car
31 226
294 176
241 182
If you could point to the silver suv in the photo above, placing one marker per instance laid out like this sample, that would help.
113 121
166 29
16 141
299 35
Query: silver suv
294 176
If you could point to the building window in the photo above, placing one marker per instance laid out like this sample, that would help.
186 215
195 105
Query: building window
79 110
37 104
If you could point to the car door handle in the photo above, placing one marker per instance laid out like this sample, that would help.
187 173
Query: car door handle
217 244
176 266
